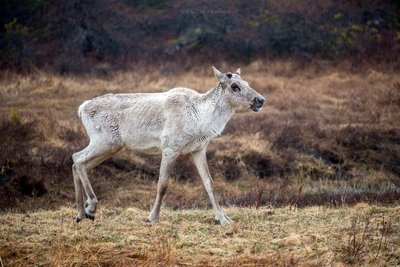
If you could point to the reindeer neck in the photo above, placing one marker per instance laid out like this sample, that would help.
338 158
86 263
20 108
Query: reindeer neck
217 102
214 109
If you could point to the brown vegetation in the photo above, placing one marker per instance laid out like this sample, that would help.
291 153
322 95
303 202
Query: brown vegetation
327 135
314 236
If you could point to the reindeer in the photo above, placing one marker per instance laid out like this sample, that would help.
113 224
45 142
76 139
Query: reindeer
177 122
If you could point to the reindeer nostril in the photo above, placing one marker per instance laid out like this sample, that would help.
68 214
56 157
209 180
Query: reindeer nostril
259 101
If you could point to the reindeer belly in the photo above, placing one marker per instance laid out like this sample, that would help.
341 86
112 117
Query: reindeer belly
145 144
143 140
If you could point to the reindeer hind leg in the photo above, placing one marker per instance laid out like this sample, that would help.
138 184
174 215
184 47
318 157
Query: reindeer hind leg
85 160
78 194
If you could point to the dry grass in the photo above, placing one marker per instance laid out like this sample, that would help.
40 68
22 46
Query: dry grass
328 137
313 236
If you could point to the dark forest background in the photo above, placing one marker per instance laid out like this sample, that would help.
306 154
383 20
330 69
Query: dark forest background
75 36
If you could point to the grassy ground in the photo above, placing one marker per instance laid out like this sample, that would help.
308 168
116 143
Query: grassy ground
327 139
313 236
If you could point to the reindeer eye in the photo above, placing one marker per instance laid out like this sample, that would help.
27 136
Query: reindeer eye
235 87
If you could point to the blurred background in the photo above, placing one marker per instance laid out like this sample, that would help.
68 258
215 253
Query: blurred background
88 36
329 134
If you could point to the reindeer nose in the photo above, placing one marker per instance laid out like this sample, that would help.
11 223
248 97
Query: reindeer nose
259 101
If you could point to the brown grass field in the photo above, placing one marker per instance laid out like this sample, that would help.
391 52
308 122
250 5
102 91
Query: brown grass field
310 180
313 236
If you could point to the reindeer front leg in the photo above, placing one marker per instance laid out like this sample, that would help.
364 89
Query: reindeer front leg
167 162
200 160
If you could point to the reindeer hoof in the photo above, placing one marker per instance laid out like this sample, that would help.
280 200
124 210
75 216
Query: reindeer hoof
151 221
88 216
223 221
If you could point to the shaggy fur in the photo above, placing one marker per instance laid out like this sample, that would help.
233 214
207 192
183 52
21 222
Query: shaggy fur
179 121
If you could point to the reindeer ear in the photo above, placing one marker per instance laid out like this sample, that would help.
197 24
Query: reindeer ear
238 71
217 74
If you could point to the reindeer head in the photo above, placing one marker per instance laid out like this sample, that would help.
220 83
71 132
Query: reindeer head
238 92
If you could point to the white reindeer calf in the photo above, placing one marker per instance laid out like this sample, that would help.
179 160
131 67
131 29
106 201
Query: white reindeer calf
179 121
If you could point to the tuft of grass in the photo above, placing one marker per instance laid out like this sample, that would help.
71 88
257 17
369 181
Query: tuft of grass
15 116
357 240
